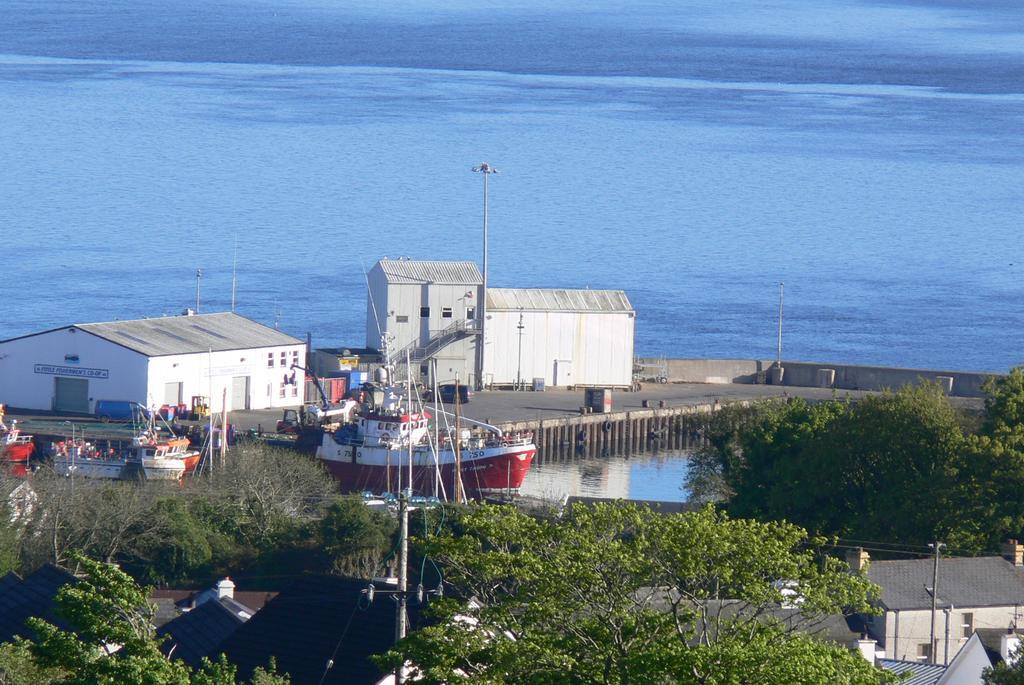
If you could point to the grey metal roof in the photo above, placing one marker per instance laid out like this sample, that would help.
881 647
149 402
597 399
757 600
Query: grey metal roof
557 299
445 273
965 582
188 334
924 674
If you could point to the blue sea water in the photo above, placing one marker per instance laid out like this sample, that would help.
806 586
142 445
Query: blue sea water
869 154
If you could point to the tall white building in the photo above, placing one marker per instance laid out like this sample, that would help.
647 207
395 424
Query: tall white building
428 309
165 360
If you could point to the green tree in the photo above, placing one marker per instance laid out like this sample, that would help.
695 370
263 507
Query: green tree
618 594
1005 673
355 538
892 467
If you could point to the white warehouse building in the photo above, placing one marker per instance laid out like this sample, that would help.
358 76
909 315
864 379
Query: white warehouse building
429 309
165 360
568 337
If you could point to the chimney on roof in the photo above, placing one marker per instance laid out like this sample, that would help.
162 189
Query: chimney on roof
1013 552
225 588
858 559
1009 644
867 647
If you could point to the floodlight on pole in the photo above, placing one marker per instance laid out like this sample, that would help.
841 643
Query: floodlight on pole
485 169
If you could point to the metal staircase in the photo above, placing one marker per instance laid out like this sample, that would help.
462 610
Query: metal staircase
437 342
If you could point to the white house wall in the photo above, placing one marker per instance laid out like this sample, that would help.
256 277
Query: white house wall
29 365
266 383
913 628
599 346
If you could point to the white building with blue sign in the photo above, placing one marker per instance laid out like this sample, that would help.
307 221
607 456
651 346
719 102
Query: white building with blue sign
222 357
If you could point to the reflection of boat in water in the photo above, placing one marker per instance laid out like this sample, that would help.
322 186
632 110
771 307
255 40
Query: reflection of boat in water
16 448
149 456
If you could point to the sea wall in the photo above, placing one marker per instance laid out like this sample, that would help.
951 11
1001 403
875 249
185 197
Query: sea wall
820 375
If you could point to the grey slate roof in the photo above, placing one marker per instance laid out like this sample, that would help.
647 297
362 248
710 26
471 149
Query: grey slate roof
317 619
924 674
964 582
21 599
445 273
189 334
557 299
200 632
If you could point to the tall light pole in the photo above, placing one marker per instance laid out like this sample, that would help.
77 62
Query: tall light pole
519 368
485 169
199 277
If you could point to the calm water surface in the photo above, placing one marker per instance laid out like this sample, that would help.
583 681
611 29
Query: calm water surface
648 476
869 154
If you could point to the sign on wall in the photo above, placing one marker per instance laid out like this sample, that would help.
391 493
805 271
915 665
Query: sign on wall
74 371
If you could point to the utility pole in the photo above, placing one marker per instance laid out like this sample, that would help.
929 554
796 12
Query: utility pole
519 368
401 625
937 546
485 169
945 653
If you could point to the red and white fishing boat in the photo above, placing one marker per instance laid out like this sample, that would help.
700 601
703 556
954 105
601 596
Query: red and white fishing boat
150 456
376 448
15 449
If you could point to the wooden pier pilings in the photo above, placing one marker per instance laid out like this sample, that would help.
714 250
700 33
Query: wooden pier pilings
630 432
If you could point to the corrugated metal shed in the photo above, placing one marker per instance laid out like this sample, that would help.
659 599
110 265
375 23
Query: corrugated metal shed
560 300
189 334
923 674
408 271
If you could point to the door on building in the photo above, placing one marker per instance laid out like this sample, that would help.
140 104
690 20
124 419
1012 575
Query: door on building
240 392
563 373
71 394
172 394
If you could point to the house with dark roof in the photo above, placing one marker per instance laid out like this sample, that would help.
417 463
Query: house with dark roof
972 593
32 596
223 357
210 618
320 630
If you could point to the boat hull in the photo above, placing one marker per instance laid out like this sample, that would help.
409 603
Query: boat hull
15 456
489 470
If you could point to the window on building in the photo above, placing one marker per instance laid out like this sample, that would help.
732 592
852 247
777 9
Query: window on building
924 651
295 356
424 312
283 391
968 625
270 388
446 312
402 318
295 391
470 313
284 359
270 360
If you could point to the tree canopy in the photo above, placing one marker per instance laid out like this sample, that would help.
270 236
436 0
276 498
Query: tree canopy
618 594
901 467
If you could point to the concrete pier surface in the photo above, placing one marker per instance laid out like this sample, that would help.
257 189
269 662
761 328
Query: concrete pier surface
505 407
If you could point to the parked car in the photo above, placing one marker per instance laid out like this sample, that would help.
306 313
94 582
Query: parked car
447 392
119 410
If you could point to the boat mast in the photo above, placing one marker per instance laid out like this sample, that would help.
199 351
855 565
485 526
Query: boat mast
408 390
457 444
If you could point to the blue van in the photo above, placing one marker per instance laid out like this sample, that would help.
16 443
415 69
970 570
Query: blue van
119 410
